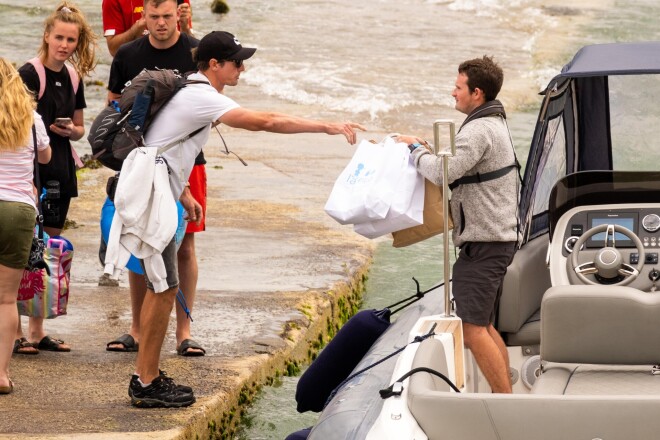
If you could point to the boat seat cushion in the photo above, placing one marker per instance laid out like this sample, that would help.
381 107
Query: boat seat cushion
526 280
448 415
612 325
604 380
599 340
529 333
430 354
569 401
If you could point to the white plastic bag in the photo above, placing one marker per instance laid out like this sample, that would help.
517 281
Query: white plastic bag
407 207
365 189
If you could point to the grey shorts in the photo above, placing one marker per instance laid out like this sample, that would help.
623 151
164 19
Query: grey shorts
16 230
171 266
477 279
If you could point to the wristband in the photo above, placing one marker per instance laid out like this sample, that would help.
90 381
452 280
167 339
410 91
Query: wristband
414 146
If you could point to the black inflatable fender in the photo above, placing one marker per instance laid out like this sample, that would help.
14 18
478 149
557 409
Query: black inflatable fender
339 358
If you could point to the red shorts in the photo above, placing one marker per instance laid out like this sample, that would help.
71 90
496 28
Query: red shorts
197 182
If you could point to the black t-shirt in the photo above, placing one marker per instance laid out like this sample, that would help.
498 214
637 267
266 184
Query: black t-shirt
58 101
133 57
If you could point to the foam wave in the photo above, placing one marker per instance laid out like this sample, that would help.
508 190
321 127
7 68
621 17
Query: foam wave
486 8
324 85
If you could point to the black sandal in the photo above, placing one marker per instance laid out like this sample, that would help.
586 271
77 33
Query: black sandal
127 343
48 343
23 346
185 348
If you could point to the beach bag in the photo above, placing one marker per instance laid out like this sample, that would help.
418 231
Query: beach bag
433 219
121 126
407 206
365 189
46 296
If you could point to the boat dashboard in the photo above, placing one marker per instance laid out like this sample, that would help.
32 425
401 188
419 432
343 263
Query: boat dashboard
609 244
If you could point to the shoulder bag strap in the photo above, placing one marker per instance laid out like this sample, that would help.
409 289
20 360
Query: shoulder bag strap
40 217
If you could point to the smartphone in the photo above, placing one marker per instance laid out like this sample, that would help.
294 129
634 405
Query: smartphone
62 122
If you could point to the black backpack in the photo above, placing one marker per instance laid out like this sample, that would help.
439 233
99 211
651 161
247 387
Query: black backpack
114 134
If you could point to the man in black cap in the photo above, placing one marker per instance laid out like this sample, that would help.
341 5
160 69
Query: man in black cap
220 59
164 47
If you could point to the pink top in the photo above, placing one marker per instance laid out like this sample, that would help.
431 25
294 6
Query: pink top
17 168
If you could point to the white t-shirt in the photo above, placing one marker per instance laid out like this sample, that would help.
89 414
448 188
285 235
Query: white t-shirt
17 167
195 106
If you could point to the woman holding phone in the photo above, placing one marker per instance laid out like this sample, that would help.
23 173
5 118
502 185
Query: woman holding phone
60 102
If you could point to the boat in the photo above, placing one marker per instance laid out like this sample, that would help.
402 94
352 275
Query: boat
579 310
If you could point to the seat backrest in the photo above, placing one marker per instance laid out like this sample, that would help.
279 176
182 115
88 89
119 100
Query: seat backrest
614 325
527 278
444 415
430 354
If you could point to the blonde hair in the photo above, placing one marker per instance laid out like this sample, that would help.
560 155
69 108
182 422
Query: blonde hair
84 57
17 106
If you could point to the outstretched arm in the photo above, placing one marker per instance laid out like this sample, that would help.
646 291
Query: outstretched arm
287 124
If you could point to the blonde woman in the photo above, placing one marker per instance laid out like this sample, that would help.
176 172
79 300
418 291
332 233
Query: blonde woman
61 99
17 200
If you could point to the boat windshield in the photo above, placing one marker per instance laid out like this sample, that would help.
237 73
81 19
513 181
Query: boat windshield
633 136
600 188
635 122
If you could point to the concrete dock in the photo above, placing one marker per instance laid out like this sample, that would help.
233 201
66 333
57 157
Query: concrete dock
272 267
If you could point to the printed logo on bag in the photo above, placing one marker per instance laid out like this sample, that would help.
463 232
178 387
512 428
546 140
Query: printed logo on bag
360 175
31 285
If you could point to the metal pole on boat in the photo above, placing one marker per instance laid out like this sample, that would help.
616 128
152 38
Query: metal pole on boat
445 155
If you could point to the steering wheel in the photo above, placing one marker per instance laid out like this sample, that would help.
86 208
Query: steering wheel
608 262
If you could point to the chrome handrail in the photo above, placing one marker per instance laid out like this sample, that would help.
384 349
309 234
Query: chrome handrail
445 155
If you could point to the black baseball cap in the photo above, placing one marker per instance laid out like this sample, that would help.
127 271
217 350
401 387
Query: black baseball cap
222 46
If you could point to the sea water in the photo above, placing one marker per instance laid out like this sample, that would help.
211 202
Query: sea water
388 64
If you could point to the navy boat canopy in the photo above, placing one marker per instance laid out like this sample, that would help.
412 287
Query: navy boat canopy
573 131
615 59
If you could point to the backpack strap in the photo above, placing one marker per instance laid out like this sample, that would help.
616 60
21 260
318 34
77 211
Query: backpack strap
75 82
178 141
485 177
41 73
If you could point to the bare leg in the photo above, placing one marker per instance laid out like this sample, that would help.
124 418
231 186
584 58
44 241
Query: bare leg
36 330
10 279
138 289
155 316
488 356
502 346
188 274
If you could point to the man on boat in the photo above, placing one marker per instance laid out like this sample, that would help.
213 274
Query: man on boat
220 61
484 205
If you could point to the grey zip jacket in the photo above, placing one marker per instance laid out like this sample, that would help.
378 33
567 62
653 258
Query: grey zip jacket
485 211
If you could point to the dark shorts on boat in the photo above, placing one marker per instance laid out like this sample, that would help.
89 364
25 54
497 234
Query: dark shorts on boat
477 279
